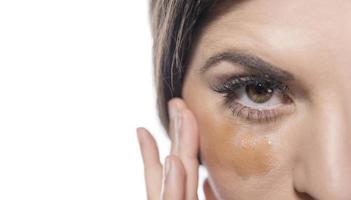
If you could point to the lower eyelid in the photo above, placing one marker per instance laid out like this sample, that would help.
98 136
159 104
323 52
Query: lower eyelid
260 115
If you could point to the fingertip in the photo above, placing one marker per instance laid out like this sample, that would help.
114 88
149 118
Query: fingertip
140 131
177 164
149 151
174 164
146 141
172 158
177 103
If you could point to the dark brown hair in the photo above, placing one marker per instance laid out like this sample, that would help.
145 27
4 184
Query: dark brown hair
174 23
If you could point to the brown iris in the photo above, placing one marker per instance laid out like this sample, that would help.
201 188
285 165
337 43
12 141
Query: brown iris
259 93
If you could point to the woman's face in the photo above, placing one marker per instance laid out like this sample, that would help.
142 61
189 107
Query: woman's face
276 125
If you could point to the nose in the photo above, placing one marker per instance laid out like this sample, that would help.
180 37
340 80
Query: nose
323 165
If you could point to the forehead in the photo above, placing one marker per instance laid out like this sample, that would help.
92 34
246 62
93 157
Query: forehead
320 15
295 34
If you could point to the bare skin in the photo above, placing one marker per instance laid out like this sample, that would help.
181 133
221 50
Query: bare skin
304 152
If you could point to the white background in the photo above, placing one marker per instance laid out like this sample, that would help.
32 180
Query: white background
75 82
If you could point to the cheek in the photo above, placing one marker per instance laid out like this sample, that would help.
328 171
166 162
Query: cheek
227 146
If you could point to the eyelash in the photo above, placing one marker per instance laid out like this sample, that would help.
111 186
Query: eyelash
231 85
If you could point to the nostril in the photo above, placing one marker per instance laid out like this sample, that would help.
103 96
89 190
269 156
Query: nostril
304 196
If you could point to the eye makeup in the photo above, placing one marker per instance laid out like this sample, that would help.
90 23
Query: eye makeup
255 98
260 94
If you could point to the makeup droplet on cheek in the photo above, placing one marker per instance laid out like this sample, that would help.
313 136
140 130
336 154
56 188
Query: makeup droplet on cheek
252 153
237 149
228 147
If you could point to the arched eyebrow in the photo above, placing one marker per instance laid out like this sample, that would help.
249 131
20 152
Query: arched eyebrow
249 62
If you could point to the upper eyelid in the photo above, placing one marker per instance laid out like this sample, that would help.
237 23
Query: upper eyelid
240 78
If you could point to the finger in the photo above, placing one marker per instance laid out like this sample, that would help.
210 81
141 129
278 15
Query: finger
152 164
174 180
186 145
174 106
188 151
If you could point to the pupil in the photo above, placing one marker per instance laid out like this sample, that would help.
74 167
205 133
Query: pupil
259 93
261 89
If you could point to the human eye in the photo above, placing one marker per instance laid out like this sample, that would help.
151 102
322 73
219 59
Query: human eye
255 98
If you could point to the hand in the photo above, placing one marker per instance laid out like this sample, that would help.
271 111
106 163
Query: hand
177 179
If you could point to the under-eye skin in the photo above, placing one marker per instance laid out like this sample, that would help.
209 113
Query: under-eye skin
255 98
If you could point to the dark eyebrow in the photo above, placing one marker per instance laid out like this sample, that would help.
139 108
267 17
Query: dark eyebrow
250 63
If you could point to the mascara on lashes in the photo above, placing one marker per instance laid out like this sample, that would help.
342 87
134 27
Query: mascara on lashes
231 85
